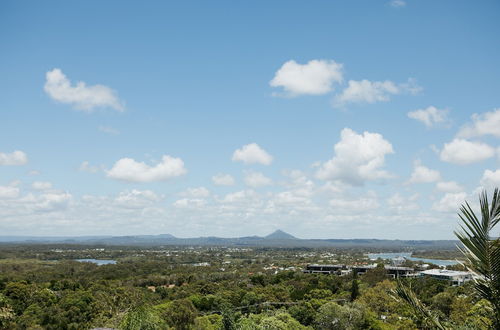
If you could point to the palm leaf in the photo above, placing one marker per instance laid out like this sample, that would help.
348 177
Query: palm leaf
421 311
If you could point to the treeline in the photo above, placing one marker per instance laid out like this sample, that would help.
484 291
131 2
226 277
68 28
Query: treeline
247 290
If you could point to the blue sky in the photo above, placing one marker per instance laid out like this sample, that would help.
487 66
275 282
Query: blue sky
327 119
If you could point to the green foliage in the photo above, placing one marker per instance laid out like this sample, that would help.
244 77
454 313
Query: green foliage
143 318
482 252
179 314
303 312
6 313
279 320
50 295
208 322
354 286
334 316
373 276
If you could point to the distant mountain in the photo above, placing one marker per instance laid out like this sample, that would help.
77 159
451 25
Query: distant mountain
280 234
278 239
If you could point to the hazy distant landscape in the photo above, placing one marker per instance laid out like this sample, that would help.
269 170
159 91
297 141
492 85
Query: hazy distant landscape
276 239
249 165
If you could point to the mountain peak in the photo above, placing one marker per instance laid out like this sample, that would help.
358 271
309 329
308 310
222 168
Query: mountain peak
280 234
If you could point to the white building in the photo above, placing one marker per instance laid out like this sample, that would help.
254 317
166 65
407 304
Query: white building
455 277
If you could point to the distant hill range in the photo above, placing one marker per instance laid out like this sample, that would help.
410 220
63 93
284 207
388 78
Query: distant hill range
278 238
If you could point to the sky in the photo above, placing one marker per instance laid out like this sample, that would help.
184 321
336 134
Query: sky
326 119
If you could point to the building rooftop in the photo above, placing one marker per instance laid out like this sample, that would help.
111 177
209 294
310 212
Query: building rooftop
444 272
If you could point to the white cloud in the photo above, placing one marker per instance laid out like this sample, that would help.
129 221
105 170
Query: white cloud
8 192
136 199
397 3
189 203
223 180
15 158
239 196
86 167
463 152
127 169
53 202
196 192
358 158
109 130
430 116
349 206
399 204
252 153
422 174
449 187
487 123
256 179
491 179
81 96
365 91
314 78
41 185
450 202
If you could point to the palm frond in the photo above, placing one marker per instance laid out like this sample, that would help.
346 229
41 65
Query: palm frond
482 252
421 311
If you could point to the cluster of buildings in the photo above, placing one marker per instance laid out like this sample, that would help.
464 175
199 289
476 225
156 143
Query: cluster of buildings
454 277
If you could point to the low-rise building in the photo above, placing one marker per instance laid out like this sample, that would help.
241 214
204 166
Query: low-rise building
324 269
453 276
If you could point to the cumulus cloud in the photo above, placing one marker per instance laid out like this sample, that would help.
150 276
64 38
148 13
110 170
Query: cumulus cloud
127 169
136 199
449 187
399 204
463 152
189 203
314 78
422 174
366 91
487 123
239 196
16 158
81 96
358 158
256 179
221 179
349 206
251 154
54 201
450 202
41 185
196 192
8 192
491 179
430 116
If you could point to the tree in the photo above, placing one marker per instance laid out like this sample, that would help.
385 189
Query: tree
354 286
482 253
143 318
334 316
228 319
179 313
6 312
375 275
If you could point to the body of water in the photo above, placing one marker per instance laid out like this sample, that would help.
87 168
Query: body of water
407 255
98 261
